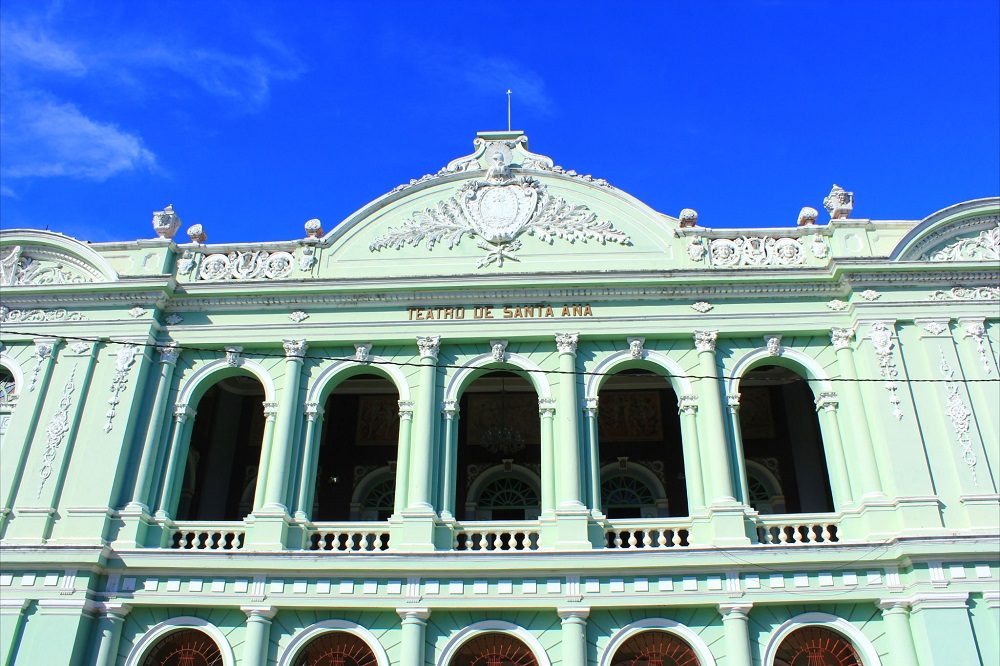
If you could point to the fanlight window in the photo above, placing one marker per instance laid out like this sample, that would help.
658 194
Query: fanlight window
655 648
187 647
336 648
8 397
506 494
816 646
494 649
626 492
379 500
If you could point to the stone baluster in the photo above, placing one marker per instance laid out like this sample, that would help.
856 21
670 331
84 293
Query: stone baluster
279 462
150 453
422 444
310 461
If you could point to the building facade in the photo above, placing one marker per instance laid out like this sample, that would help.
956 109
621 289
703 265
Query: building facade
505 414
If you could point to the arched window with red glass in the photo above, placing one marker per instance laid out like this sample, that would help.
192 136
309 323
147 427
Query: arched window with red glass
816 646
185 647
655 648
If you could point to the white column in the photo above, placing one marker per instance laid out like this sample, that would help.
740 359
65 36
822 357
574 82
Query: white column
109 632
735 619
151 445
568 442
258 634
687 407
310 462
546 413
449 461
896 614
593 456
574 635
414 625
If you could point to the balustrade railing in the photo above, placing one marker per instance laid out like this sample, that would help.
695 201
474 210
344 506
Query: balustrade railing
651 533
207 536
797 529
349 537
516 536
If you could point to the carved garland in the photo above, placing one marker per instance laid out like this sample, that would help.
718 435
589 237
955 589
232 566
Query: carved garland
56 431
42 351
977 331
960 415
881 337
119 381
11 316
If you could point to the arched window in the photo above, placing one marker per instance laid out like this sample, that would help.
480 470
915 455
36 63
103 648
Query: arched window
186 647
494 649
499 449
816 646
639 447
360 434
224 452
8 397
655 648
336 648
782 445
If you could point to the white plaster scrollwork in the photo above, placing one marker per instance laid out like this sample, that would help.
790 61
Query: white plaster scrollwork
38 315
837 305
43 350
977 331
959 414
429 346
187 262
249 265
173 319
169 353
984 247
362 352
566 342
702 306
870 295
498 210
298 316
881 337
966 294
498 350
119 381
755 251
308 259
234 356
697 249
704 341
827 401
687 404
773 345
294 348
935 326
41 267
56 431
841 337
635 348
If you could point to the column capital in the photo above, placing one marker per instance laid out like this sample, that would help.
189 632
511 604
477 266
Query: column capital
449 409
429 346
405 409
827 401
44 346
260 613
169 353
574 614
687 404
590 407
566 342
841 337
890 606
704 341
934 326
294 349
313 411
735 610
923 601
418 615
113 609
546 407
733 401
270 410
182 412
974 327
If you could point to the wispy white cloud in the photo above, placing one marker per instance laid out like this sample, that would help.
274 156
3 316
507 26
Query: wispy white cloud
23 45
45 137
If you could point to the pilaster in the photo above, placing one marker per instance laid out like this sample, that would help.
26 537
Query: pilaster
942 628
12 613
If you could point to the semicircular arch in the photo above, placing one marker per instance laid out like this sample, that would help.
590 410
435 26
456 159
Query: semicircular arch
466 634
207 375
330 376
154 634
699 646
492 474
15 371
655 361
641 472
946 225
860 642
48 245
303 638
791 359
484 363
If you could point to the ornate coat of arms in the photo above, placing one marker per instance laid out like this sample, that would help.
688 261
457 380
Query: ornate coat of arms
497 211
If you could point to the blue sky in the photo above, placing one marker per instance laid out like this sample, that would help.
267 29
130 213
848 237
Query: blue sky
252 118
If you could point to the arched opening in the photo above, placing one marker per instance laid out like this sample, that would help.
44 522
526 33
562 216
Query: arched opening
185 647
356 463
499 449
782 444
494 649
816 646
336 648
639 446
655 648
224 452
8 397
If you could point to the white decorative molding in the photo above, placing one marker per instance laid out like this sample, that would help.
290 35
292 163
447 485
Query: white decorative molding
294 348
704 341
270 410
429 346
308 259
688 217
173 319
837 305
635 348
56 431
827 401
10 316
984 247
119 381
959 414
79 347
136 311
43 350
449 409
687 404
870 295
703 654
841 337
546 407
498 349
314 228
977 331
362 352
819 247
498 210
35 266
701 306
290 655
246 265
590 405
697 249
733 402
566 342
934 326
755 251
966 294
405 409
773 345
169 353
881 338
313 411
298 316
196 233
839 203
234 356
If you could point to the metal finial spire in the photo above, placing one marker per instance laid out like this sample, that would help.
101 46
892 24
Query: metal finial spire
508 109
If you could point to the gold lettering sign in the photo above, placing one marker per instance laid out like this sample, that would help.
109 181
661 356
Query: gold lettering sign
502 312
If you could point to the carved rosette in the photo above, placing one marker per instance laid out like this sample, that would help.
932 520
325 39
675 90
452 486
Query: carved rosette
429 346
566 342
704 341
881 338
